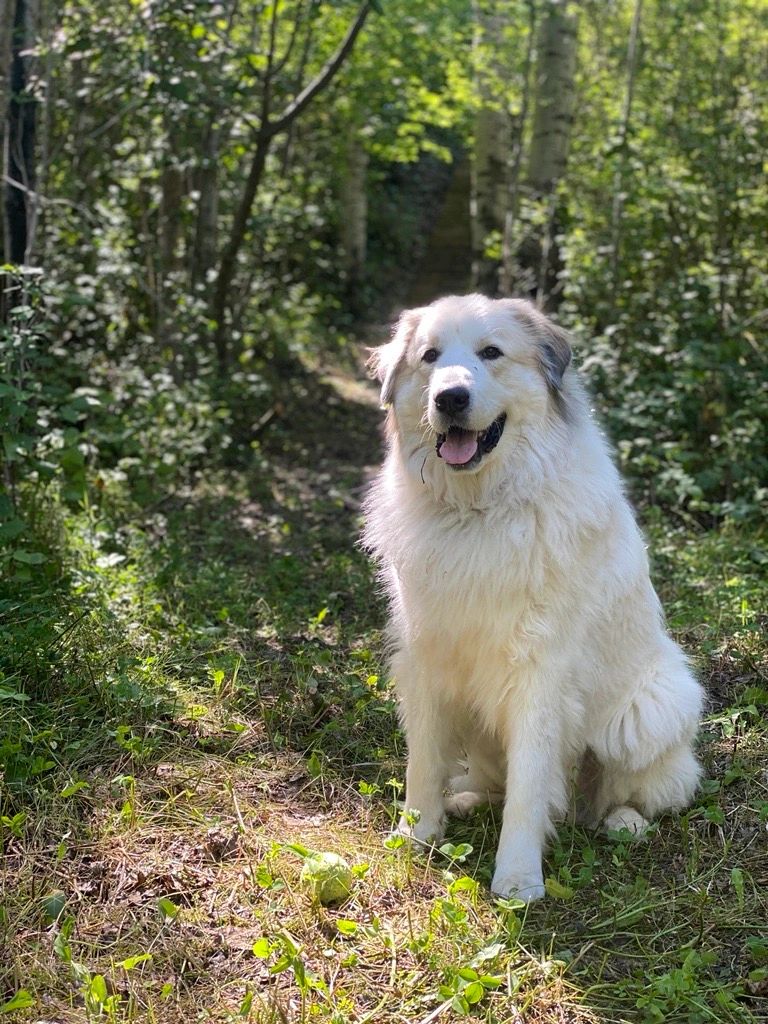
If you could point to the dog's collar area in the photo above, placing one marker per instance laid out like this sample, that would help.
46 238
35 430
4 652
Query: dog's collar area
475 444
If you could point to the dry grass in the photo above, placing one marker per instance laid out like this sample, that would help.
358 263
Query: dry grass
224 698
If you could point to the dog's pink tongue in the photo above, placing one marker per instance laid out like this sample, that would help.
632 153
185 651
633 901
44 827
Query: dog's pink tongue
457 448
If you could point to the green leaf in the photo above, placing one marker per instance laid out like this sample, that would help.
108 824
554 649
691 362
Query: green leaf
21 1001
491 981
460 1004
74 788
463 884
132 961
456 853
757 948
297 848
558 890
29 557
167 908
314 765
489 952
97 989
14 823
737 881
12 695
262 948
346 927
12 529
54 903
473 993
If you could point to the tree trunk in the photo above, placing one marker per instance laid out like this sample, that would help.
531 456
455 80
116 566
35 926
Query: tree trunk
207 184
624 127
555 98
20 144
491 151
228 262
353 215
171 198
539 255
508 272
7 12
172 184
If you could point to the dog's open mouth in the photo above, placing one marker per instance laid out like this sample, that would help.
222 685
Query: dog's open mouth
462 448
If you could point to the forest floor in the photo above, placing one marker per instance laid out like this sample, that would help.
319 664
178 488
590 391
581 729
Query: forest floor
220 705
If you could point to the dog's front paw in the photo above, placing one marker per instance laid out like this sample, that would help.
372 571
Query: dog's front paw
525 886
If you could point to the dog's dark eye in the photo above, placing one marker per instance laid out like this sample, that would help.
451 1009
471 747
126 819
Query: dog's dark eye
430 355
490 352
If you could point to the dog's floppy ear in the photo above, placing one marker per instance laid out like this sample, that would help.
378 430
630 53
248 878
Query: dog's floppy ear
555 355
554 347
385 361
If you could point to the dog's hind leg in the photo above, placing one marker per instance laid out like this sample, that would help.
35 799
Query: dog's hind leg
645 750
660 711
626 797
625 817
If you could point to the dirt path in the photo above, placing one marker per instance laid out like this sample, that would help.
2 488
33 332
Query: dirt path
447 263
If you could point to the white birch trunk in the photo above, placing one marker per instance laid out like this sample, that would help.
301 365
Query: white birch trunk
509 266
492 142
555 96
555 99
621 164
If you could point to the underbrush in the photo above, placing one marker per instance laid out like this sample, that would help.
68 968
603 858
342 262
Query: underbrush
221 701
193 692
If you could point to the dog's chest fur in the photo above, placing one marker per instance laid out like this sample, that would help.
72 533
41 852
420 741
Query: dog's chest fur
469 585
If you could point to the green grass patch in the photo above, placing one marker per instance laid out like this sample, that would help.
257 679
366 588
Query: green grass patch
193 699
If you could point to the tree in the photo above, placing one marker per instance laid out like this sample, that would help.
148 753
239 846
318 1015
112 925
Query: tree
270 125
492 139
554 99
508 270
19 134
624 129
7 14
353 210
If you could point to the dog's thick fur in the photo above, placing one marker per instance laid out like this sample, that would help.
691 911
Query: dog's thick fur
528 644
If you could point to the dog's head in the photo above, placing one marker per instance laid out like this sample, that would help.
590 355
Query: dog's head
461 372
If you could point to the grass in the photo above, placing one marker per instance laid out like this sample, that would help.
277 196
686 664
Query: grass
198 694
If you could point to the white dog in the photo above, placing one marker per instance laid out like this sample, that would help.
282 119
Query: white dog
528 644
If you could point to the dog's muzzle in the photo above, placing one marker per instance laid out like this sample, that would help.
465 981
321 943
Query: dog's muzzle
462 448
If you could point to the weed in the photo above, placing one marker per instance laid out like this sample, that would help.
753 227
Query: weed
194 692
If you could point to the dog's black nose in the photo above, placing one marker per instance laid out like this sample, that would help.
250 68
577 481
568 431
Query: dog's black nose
452 401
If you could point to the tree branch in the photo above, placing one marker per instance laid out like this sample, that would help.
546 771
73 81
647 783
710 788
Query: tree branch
269 128
323 77
297 20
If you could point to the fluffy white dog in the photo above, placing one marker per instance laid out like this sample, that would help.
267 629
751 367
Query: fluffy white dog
528 644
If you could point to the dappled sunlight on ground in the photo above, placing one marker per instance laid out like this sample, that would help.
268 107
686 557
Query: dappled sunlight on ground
253 719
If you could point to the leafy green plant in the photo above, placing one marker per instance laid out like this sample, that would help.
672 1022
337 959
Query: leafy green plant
687 989
465 988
